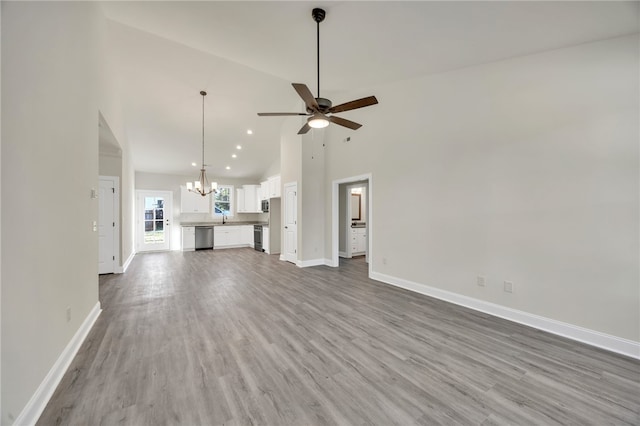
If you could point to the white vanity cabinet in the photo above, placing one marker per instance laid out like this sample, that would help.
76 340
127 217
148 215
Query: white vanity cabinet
358 241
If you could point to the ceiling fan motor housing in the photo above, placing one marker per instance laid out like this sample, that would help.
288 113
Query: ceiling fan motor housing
323 104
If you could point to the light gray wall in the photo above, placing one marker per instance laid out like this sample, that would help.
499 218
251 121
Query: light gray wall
523 170
50 76
311 197
110 166
290 165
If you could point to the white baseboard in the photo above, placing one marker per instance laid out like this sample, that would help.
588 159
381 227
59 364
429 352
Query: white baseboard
123 269
40 399
591 337
342 254
308 263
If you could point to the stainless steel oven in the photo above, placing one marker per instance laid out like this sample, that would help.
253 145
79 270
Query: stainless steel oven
257 237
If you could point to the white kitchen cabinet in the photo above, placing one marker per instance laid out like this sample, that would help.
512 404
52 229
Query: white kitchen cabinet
265 239
247 199
274 186
358 241
251 202
188 238
240 201
226 236
264 190
246 235
190 202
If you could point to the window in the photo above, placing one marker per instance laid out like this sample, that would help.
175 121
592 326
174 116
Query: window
223 201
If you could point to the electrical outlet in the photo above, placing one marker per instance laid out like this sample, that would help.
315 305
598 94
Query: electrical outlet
481 280
68 314
508 286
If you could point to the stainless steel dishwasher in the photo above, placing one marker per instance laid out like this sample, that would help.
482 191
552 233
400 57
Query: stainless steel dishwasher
204 237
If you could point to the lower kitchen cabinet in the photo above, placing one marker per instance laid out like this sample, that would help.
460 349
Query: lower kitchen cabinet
265 239
228 236
188 238
246 235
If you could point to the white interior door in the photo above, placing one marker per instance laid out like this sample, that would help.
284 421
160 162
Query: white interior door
106 225
154 220
291 222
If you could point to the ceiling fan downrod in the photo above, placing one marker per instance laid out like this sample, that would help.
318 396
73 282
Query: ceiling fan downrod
318 16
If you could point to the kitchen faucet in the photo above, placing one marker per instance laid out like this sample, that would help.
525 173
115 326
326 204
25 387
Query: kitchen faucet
223 219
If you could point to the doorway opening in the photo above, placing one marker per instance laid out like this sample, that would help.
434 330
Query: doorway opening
153 222
352 219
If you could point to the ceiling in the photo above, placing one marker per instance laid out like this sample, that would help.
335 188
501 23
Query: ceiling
247 54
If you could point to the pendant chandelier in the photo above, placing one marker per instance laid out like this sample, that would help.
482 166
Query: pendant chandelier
201 186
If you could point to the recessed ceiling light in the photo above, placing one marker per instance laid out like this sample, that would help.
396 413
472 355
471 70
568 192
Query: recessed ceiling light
228 167
238 147
233 155
194 164
249 132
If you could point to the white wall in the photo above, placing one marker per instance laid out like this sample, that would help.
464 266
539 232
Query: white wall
311 197
50 76
523 170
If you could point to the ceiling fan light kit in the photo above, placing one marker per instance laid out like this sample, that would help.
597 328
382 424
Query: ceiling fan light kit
201 186
320 110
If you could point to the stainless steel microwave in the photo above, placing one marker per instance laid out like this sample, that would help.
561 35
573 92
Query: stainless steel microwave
265 206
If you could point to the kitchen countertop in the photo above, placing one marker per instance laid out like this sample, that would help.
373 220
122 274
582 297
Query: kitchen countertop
183 224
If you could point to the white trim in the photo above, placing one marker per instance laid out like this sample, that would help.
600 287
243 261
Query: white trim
122 269
312 262
591 337
335 222
343 254
39 400
116 220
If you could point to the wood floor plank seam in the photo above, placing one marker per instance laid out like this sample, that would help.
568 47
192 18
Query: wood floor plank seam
238 337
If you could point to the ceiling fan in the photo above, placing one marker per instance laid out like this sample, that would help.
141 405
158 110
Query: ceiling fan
320 110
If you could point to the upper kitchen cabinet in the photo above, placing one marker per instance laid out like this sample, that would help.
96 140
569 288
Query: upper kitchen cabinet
248 199
264 190
190 202
274 186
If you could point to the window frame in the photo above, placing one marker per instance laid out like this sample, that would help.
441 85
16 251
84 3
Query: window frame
231 201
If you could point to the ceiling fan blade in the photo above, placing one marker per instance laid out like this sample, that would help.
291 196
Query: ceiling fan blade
358 103
304 129
306 96
344 122
274 114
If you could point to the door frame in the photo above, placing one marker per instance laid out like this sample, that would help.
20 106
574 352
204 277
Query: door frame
115 180
139 212
335 222
283 255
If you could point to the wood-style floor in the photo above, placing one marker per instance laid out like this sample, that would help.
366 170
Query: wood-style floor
235 337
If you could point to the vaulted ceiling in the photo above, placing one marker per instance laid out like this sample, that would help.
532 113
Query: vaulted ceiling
247 54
